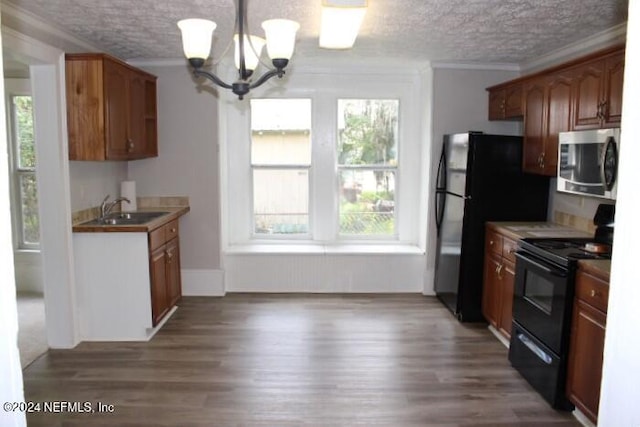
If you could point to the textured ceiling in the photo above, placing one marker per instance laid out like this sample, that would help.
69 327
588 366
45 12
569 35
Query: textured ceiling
486 31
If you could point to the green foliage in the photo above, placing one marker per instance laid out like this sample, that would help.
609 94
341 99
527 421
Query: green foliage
26 163
23 108
369 133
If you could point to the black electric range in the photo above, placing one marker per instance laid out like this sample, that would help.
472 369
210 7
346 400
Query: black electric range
563 251
543 304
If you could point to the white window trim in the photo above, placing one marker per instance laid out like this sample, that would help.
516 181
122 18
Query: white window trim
16 87
324 89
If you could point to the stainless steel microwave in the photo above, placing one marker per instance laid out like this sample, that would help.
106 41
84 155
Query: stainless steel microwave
588 162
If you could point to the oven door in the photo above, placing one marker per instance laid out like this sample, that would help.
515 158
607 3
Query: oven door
541 302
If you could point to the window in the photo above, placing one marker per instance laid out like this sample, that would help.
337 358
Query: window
23 177
367 163
326 164
280 162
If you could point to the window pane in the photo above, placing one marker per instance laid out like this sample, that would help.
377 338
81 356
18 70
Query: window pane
281 131
367 131
24 132
367 202
29 197
281 201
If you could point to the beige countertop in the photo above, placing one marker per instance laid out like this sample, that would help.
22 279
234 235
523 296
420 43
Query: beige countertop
521 230
174 206
544 229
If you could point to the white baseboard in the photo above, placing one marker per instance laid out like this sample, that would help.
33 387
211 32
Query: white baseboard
205 283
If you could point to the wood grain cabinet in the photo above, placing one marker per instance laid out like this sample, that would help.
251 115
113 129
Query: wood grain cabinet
587 342
505 102
547 113
597 100
164 267
499 280
111 109
585 93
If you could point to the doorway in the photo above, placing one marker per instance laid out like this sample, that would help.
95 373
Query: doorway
32 341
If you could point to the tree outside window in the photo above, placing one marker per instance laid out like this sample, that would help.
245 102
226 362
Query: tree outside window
24 164
367 165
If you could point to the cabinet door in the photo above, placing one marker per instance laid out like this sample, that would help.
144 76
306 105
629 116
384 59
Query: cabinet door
507 283
159 297
588 90
174 286
613 81
496 104
116 80
585 358
534 129
491 289
136 141
558 117
513 102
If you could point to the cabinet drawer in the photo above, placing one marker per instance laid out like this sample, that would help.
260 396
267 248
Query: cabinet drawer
592 290
156 238
493 242
509 247
170 230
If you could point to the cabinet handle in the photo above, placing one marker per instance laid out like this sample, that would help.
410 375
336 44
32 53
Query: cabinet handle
499 271
542 160
173 230
490 242
603 111
130 144
594 293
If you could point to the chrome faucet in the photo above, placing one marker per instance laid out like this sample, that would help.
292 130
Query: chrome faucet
106 207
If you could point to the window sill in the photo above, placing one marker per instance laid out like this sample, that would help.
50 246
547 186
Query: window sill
323 249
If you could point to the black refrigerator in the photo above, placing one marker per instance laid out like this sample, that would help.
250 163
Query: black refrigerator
479 179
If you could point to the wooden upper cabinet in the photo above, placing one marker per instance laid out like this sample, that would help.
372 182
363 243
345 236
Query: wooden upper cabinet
505 102
597 101
534 128
613 83
111 109
547 113
558 119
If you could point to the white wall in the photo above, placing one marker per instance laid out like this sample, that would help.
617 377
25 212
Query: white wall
10 371
620 392
90 182
187 165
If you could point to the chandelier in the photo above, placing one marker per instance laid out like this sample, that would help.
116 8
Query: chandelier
280 40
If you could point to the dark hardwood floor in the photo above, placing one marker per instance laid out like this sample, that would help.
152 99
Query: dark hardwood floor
295 360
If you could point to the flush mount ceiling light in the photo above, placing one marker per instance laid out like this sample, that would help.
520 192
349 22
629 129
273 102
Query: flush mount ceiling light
280 40
341 20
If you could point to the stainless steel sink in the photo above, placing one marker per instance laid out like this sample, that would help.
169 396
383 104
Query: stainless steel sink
126 218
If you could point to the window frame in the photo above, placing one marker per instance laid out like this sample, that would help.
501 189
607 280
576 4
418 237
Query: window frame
283 166
325 89
372 167
18 88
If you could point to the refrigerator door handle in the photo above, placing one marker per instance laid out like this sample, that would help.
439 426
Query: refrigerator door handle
458 195
441 190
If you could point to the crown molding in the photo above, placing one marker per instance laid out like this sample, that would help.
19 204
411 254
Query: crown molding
24 21
158 62
498 66
601 40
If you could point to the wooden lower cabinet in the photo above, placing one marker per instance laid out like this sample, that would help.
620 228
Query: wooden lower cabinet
164 264
499 280
587 343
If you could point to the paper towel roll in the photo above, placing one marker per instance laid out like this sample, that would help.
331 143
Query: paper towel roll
128 190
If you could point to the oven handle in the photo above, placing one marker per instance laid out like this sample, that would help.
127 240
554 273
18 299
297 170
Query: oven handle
535 349
548 270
